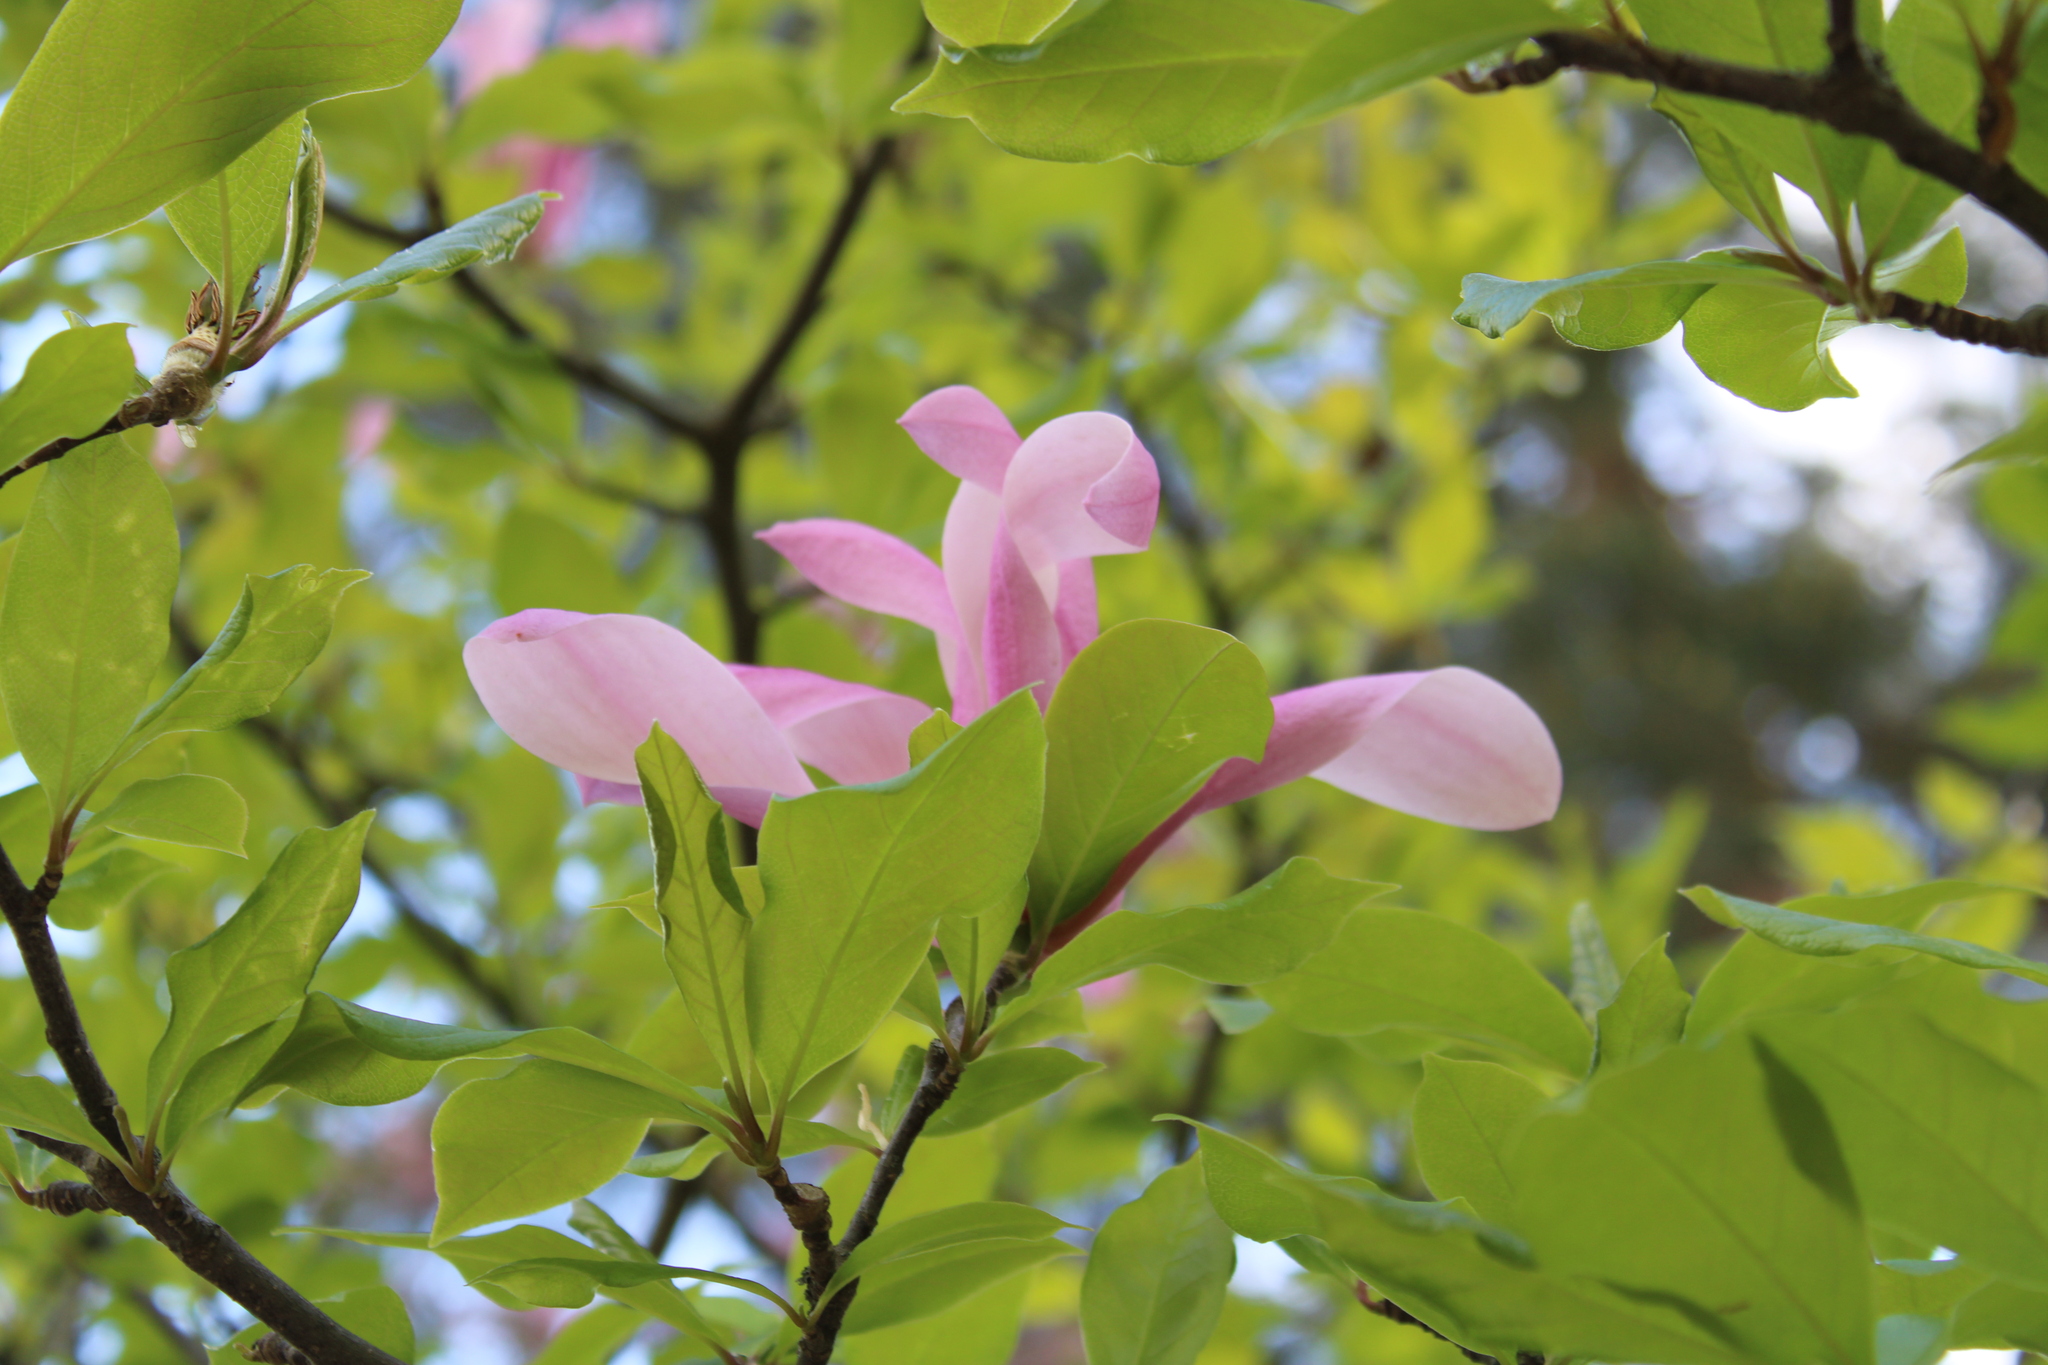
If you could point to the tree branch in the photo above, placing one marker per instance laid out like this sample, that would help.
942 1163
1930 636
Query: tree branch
2027 335
1850 96
166 1214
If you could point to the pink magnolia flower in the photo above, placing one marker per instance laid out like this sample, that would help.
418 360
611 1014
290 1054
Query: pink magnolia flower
582 692
1015 599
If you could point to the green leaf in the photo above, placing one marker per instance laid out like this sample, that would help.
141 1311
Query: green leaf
42 1106
227 222
1263 932
1401 42
1141 719
186 808
258 964
2026 443
920 999
1608 310
1157 1275
198 88
1741 179
1927 51
1937 268
1927 1122
484 239
103 885
974 946
1465 1278
85 621
979 1330
1756 976
943 1230
1768 344
1709 1180
376 1314
1408 969
74 382
974 23
1466 1117
1004 1082
1595 981
684 1163
1646 1016
920 1286
1174 81
539 1135
218 1081
592 1338
703 916
279 625
931 732
856 877
569 1281
324 1059
1816 936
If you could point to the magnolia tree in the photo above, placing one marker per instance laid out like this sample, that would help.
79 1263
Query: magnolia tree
1825 1149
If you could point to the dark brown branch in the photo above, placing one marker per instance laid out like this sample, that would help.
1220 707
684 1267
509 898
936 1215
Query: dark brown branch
1851 97
166 1214
1201 1087
1844 48
809 1210
62 446
67 1199
2028 335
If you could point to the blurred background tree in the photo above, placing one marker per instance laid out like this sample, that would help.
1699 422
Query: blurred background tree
1773 653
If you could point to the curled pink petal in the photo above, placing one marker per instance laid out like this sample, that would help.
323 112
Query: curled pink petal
965 433
1020 640
1075 610
583 691
852 733
748 805
1449 745
869 569
973 523
596 789
1081 485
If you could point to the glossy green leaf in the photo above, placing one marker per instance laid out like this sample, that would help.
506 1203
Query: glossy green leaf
103 885
1176 81
484 239
218 1080
1709 1180
1263 932
1407 969
259 963
920 1286
376 1314
931 732
1756 976
1742 180
42 1106
1004 1082
1465 1278
323 1058
1141 719
83 627
1157 1275
974 946
229 221
943 1230
1799 932
187 808
973 23
684 1163
1607 310
540 1135
703 916
1768 344
1646 1016
856 877
1927 51
199 88
413 1040
1467 1114
279 625
1937 268
1930 1124
592 1338
981 1329
1404 41
74 382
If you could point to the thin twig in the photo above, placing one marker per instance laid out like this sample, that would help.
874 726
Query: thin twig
1851 97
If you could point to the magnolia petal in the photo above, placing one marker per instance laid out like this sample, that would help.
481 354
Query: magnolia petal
1020 644
583 691
1081 485
869 569
596 789
1074 611
965 433
1449 745
748 805
852 733
973 524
